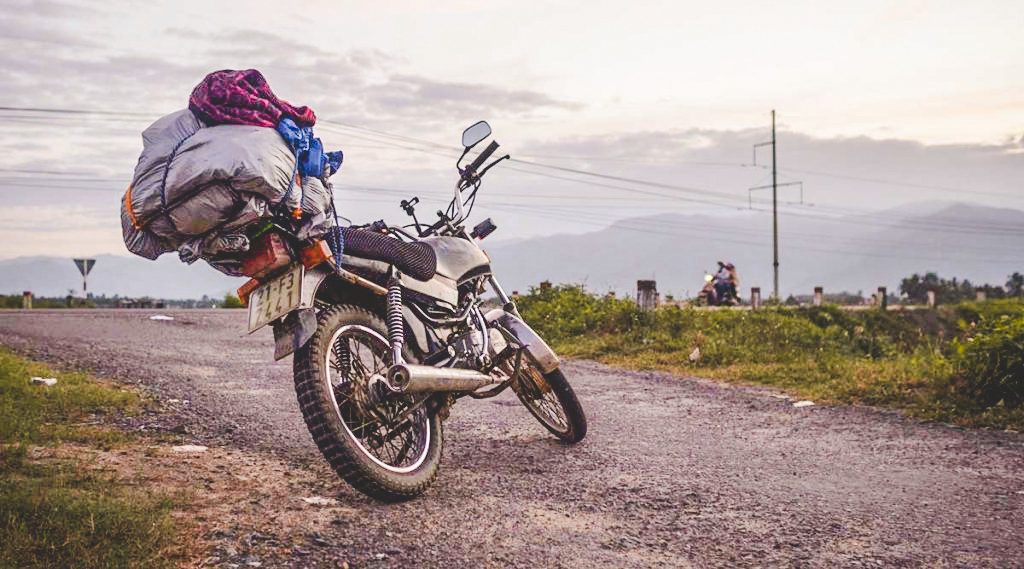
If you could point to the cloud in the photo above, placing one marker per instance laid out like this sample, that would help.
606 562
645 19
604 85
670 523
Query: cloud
370 87
411 95
40 22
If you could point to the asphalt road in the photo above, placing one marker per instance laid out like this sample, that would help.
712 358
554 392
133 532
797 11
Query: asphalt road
675 472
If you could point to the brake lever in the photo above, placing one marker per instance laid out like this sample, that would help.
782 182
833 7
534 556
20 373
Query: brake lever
492 165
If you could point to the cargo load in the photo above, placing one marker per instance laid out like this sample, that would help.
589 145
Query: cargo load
197 186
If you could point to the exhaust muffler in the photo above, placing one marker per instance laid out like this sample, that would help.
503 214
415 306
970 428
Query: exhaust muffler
412 378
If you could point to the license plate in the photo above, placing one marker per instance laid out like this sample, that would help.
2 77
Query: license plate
275 298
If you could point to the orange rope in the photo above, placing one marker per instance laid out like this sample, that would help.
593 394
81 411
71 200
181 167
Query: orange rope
128 206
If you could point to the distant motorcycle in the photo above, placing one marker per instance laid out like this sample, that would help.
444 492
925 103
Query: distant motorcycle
716 293
388 337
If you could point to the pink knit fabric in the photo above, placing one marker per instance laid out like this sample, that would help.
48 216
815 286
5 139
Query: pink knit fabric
243 97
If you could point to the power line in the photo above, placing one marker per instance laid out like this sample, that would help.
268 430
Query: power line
450 151
44 110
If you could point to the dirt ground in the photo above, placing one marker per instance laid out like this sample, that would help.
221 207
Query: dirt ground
675 472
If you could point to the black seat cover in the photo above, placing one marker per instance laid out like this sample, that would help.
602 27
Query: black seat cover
417 260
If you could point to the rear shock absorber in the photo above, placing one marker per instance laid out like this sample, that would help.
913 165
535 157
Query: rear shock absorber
396 323
344 357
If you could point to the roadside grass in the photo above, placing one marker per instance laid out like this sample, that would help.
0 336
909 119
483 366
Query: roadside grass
914 360
61 513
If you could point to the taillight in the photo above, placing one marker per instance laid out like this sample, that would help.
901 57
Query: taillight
245 290
267 255
315 254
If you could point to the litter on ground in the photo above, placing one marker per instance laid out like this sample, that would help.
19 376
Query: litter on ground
320 501
803 404
47 381
695 355
161 317
189 448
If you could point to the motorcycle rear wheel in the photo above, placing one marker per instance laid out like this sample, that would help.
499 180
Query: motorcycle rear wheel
355 432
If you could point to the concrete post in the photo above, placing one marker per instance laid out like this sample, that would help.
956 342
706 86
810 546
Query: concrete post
26 300
755 297
819 295
931 299
979 294
646 295
883 298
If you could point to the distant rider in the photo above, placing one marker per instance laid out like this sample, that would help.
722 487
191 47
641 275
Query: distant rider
727 282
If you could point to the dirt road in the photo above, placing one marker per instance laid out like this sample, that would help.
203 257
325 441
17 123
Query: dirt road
675 472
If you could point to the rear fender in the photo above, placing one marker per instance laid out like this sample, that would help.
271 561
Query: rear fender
538 349
294 330
311 281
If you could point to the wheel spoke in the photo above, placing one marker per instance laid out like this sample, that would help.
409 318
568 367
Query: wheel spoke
538 395
393 432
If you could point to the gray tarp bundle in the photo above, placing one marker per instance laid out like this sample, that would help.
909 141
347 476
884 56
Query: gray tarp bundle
196 187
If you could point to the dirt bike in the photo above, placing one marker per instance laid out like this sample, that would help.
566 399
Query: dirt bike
390 334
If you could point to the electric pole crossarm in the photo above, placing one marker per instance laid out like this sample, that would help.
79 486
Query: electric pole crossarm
750 193
766 186
758 145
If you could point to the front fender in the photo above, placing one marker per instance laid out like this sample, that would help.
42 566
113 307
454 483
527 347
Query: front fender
538 349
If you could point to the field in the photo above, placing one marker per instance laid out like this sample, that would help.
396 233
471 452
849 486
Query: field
960 363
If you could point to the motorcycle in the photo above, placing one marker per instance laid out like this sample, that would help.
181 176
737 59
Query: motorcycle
709 295
390 335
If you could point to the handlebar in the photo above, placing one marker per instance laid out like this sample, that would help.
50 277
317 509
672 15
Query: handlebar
483 156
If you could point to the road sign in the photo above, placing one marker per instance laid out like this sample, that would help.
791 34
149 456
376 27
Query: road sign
84 266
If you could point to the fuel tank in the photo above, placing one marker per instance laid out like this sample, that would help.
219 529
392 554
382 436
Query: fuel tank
458 259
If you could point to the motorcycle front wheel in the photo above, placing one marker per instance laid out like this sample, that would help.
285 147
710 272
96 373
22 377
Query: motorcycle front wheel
551 400
388 448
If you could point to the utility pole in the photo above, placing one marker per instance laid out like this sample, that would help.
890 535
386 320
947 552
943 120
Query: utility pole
775 205
775 215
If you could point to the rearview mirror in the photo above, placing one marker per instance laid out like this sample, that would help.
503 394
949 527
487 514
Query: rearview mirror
474 134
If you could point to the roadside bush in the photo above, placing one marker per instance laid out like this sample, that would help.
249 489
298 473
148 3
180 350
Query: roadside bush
975 312
989 363
231 301
566 311
903 359
872 333
727 336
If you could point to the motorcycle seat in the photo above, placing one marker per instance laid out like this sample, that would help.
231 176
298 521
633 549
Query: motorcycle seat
418 260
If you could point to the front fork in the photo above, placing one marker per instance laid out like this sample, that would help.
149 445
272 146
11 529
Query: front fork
506 303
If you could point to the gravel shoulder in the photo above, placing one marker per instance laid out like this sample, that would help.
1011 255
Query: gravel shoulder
675 471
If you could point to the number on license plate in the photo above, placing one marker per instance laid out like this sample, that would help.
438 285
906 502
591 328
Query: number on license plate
275 298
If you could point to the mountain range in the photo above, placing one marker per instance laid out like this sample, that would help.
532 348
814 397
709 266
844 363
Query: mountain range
843 253
837 250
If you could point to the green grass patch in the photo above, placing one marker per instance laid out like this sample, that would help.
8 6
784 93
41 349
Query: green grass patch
61 513
34 414
962 363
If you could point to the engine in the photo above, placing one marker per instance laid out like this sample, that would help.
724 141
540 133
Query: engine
475 350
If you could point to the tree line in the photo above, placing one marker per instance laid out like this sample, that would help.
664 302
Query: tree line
915 288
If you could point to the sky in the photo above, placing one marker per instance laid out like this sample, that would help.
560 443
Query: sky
614 109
